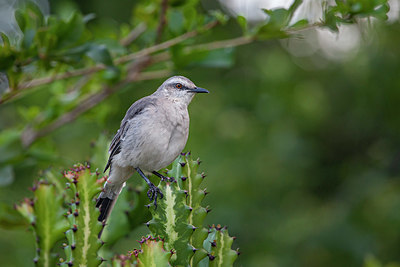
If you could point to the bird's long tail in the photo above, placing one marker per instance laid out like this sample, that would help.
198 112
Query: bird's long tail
112 189
107 199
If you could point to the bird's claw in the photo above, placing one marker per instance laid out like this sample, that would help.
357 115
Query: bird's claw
153 193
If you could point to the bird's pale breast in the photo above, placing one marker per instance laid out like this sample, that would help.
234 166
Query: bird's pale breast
153 142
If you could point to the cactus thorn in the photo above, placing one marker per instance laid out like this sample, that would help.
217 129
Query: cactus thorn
208 210
76 194
189 153
76 213
35 260
183 154
147 206
148 224
213 243
203 175
75 228
211 257
183 178
238 252
198 161
70 263
73 246
38 250
77 202
234 237
194 228
102 259
182 164
190 208
194 249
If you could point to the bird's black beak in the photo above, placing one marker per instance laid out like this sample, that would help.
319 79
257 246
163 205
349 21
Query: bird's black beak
198 90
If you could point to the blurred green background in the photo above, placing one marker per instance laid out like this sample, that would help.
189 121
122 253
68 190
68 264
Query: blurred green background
302 152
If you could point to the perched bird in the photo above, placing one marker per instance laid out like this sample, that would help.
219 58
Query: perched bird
152 134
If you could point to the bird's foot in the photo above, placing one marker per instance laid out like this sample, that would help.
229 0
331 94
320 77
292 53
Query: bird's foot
153 193
162 177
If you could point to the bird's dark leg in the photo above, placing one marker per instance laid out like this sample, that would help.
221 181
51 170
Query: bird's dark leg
154 191
163 178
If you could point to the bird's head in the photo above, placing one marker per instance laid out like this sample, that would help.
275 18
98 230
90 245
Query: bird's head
179 88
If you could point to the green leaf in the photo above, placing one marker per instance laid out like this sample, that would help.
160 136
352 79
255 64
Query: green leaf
299 24
242 22
20 18
100 54
293 7
220 16
5 40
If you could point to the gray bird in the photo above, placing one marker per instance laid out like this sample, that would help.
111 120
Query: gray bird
152 134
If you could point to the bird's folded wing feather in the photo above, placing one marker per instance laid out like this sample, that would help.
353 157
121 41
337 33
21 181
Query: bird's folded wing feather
137 108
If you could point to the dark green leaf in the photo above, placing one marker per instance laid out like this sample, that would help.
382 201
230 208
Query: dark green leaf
294 7
242 22
20 18
299 24
4 38
100 54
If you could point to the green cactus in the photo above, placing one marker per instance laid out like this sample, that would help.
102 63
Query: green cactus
190 181
177 222
46 214
179 217
152 253
170 221
83 241
219 245
123 260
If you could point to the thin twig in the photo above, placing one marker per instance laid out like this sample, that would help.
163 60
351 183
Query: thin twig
162 21
96 68
134 34
29 136
221 44
162 46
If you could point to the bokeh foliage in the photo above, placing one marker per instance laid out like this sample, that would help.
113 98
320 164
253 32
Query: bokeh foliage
305 159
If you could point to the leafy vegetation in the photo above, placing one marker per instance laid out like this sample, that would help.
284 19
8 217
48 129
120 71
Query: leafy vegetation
282 134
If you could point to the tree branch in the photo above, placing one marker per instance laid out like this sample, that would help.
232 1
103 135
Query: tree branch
29 135
96 68
134 34
163 21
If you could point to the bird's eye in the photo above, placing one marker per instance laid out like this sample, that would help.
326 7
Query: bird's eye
178 85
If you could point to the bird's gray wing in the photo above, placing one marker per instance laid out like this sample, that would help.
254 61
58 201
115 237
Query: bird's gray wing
137 108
